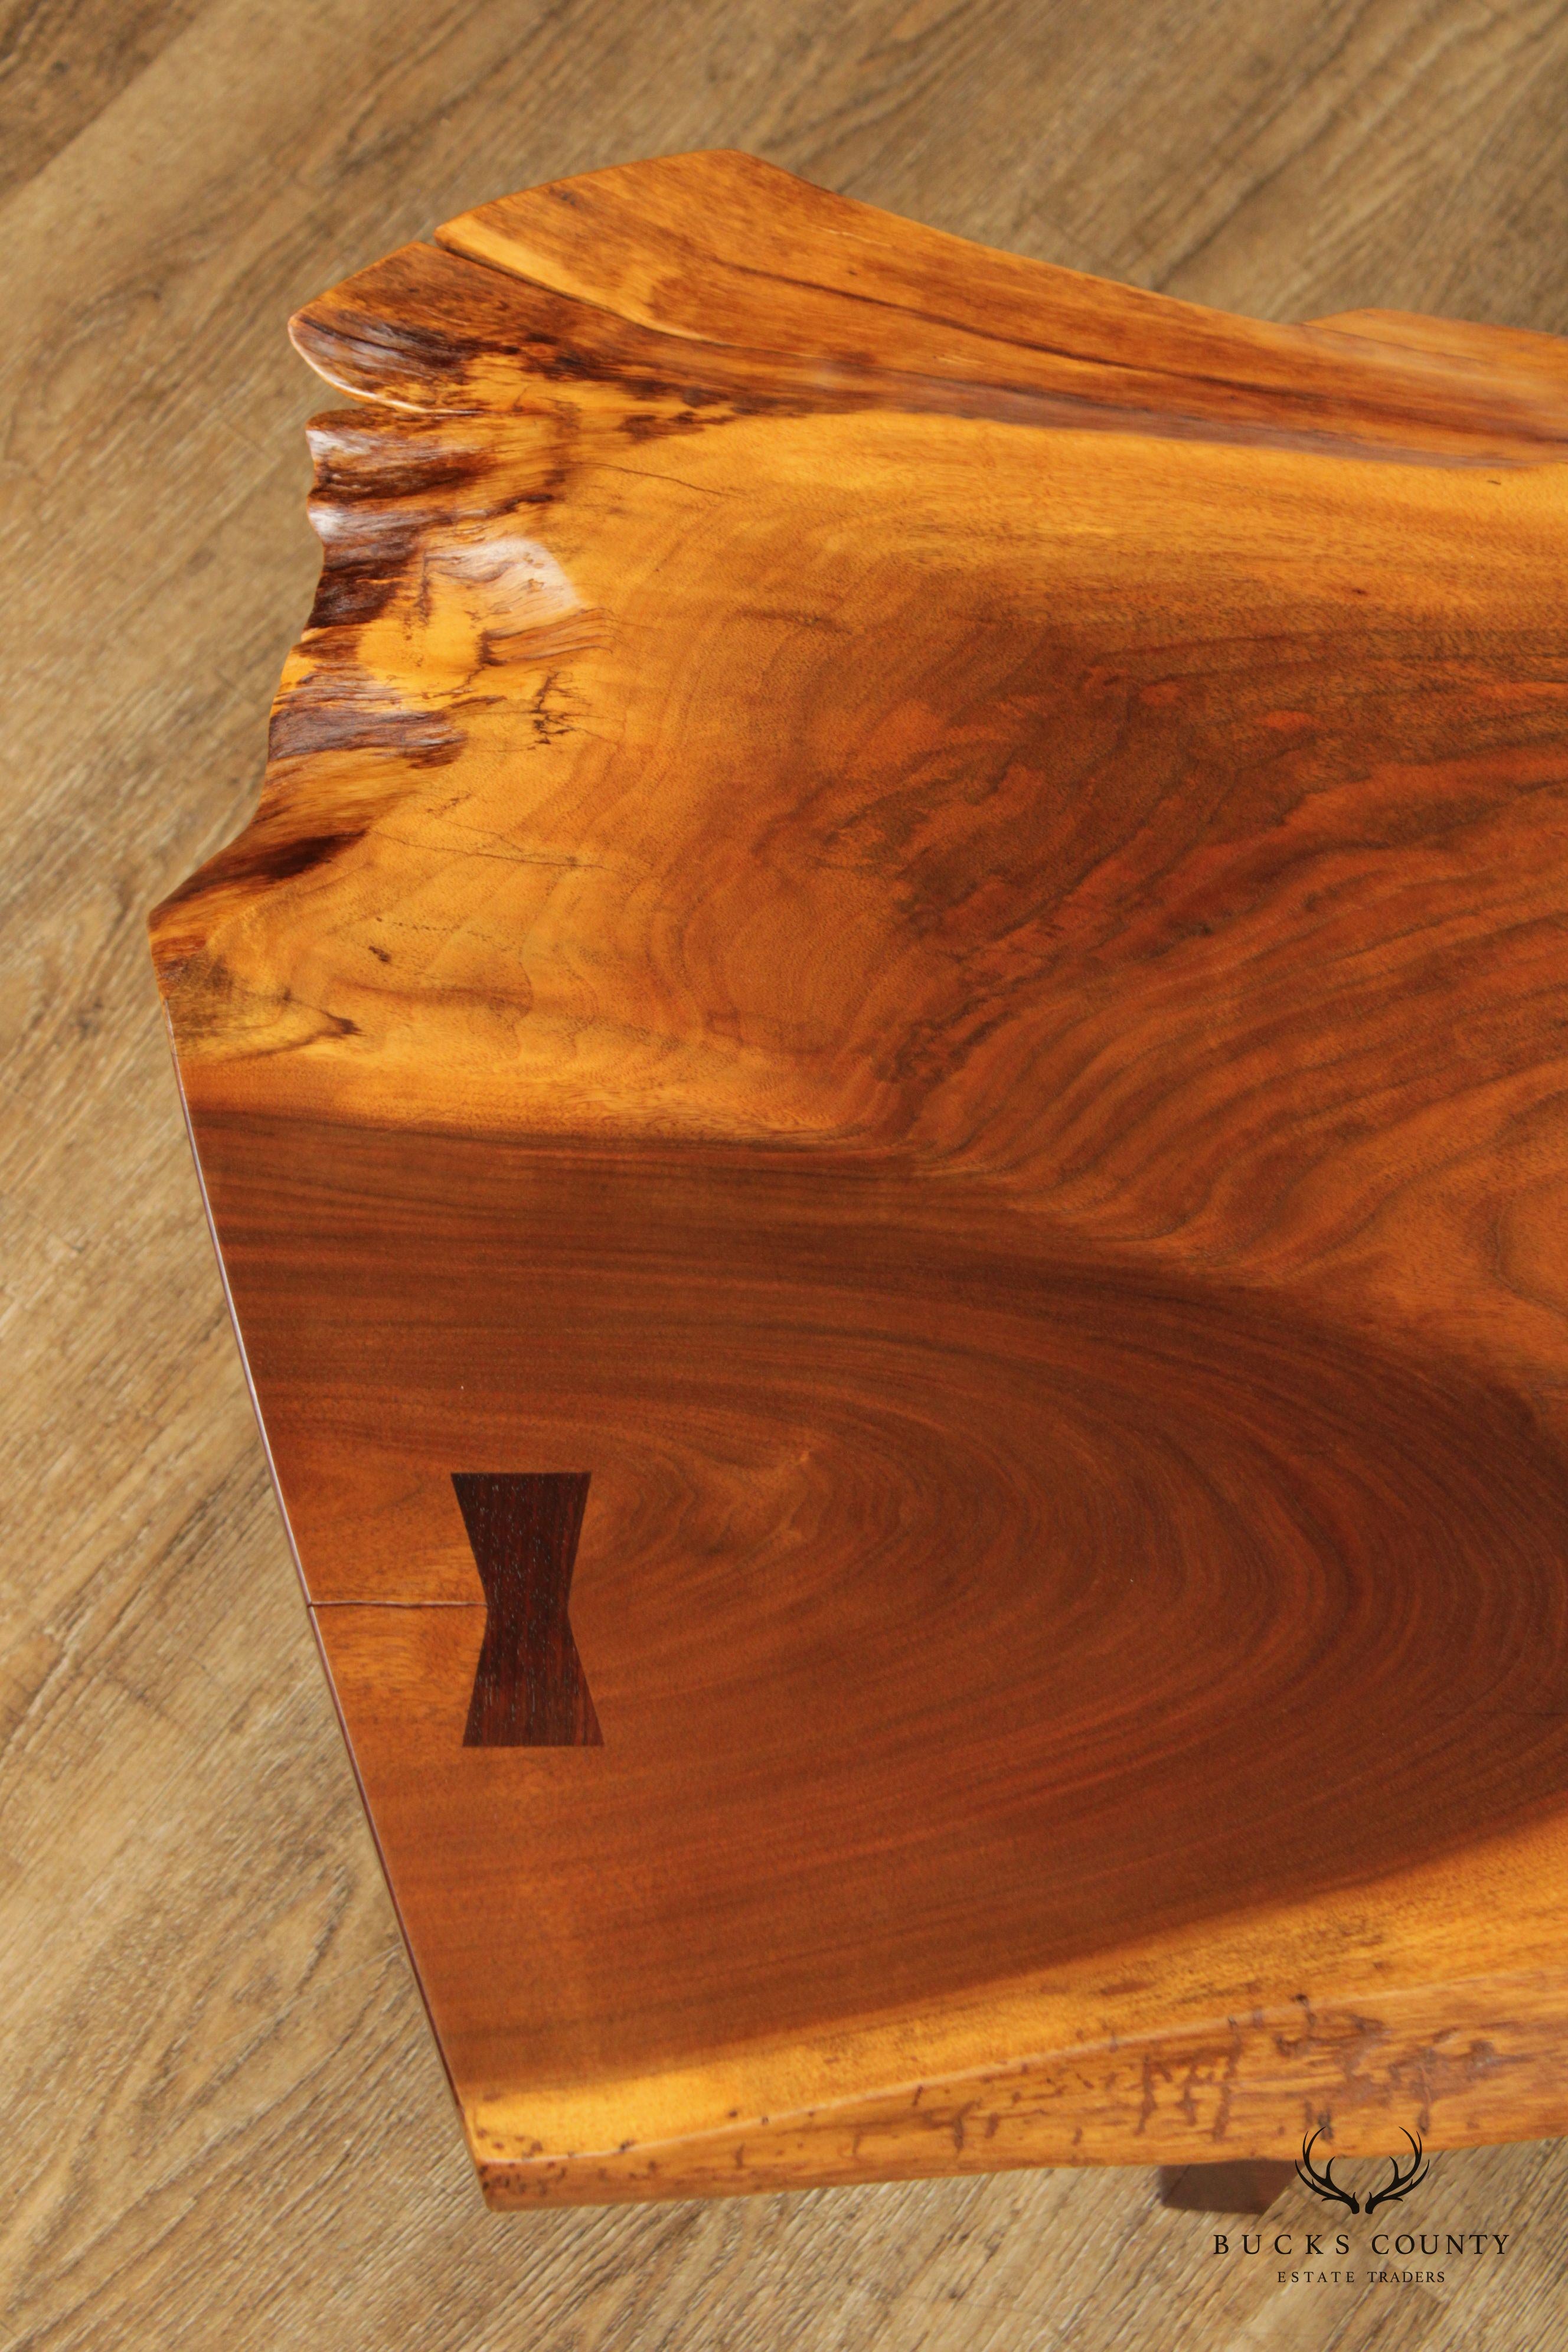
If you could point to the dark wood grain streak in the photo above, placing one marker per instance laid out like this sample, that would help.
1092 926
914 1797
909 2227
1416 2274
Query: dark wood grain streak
530 1690
429 332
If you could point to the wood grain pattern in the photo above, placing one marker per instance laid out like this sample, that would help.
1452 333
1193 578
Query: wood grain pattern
913 904
224 2121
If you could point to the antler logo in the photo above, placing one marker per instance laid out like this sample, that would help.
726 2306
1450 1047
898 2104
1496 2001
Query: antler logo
1323 2184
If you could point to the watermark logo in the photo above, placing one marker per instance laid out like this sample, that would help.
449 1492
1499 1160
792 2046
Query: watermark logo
1323 2184
1331 2255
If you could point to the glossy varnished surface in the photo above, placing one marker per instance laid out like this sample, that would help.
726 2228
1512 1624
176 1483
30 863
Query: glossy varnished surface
908 910
1038 1577
1171 1551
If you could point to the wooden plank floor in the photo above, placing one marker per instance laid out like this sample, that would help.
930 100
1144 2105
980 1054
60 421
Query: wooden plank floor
222 2117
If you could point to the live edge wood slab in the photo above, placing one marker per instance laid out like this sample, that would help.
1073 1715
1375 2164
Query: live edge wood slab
884 1089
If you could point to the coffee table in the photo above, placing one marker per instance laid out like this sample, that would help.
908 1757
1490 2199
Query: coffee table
883 1086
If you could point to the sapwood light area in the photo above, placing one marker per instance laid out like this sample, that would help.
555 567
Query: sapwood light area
229 2122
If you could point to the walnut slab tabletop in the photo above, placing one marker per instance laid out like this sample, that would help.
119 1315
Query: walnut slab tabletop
884 1090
